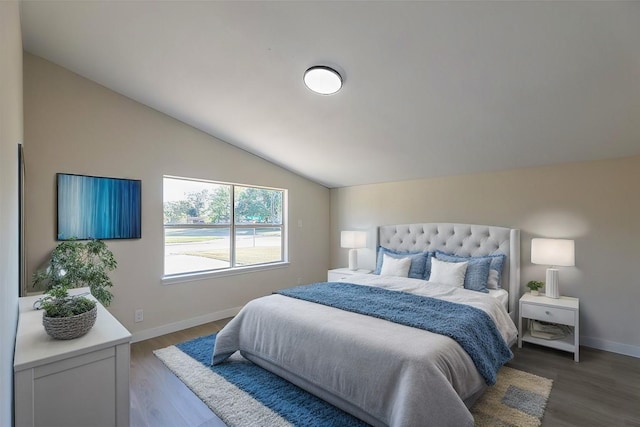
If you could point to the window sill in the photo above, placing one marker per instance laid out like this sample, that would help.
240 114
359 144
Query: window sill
191 277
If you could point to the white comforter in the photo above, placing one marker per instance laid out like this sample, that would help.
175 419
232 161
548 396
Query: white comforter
476 299
382 372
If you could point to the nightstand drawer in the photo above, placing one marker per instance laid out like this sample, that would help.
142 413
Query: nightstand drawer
342 274
337 277
548 314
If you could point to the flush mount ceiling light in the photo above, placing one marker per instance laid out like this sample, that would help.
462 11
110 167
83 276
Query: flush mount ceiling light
323 80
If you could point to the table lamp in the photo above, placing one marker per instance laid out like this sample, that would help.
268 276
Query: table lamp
353 240
553 252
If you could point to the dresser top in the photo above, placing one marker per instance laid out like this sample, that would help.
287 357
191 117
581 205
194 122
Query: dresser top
34 347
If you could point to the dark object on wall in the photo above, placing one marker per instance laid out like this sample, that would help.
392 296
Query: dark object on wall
92 207
22 282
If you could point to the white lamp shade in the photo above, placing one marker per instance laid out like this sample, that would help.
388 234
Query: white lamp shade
557 252
353 239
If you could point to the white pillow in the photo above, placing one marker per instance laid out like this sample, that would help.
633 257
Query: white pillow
492 281
449 273
395 266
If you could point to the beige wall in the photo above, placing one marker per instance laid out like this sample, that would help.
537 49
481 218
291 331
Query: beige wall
595 203
10 136
74 125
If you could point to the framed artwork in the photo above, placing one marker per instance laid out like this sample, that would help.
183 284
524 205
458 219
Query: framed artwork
93 207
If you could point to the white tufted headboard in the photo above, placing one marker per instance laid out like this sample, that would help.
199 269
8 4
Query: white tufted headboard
463 240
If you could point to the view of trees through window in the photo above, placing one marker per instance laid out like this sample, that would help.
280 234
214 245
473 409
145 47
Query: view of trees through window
200 218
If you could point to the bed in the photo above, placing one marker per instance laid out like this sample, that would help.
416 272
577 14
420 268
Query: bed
378 368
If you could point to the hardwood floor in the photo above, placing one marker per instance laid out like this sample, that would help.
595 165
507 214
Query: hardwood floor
602 390
158 397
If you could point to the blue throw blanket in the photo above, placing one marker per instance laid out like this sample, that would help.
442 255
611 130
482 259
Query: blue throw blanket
470 327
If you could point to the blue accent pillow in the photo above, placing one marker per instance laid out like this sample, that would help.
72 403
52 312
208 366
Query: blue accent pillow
427 267
419 261
497 262
477 270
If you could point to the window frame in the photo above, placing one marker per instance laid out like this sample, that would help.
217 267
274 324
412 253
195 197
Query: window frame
232 226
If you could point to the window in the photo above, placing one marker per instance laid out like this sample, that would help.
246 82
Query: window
211 226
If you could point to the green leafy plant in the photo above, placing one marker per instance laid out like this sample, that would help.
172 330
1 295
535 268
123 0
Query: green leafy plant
534 285
75 264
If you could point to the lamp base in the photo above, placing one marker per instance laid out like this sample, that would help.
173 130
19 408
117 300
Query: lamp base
552 289
353 259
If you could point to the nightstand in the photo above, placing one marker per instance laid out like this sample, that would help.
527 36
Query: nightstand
562 311
339 274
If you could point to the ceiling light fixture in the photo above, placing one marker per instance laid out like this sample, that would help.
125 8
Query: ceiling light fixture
323 80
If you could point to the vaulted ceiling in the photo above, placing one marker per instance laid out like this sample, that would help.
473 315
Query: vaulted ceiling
430 88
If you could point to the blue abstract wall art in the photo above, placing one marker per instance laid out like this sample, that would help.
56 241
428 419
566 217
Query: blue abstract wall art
91 207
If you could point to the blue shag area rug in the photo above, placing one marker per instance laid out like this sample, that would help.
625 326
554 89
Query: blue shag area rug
245 395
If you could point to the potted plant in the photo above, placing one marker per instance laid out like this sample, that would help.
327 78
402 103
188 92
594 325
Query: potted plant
74 264
535 286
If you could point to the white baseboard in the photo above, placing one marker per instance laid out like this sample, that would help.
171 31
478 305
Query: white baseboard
183 324
614 347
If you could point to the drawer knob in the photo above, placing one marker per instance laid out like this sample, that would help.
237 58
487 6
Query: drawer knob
548 313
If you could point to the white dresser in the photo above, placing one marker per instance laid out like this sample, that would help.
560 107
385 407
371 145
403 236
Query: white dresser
80 382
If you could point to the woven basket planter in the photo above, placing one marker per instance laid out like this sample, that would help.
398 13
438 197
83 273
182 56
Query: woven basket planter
68 328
